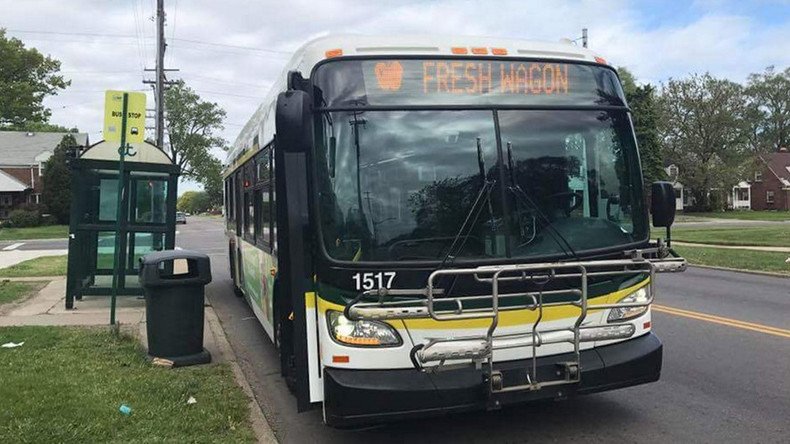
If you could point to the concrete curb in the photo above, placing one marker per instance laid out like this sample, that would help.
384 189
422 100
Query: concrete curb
32 278
738 270
733 247
260 425
48 239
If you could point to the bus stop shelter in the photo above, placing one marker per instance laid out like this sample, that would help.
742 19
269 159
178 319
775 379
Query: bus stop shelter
148 212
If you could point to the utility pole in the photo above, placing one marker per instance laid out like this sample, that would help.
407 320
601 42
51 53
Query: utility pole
160 82
160 73
584 37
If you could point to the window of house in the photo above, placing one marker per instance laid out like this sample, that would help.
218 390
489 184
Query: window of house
758 176
769 197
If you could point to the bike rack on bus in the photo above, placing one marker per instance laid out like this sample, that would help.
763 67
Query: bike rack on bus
444 353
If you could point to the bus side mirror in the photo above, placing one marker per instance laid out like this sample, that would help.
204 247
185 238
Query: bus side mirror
662 204
294 122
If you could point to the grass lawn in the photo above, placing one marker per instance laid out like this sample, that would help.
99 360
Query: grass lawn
741 259
773 236
47 232
67 384
40 266
743 215
14 291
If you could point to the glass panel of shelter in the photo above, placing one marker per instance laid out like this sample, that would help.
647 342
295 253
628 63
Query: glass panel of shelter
146 222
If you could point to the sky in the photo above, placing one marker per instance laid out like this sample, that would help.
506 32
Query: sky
230 51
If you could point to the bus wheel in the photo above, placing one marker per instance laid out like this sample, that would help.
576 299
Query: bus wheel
231 263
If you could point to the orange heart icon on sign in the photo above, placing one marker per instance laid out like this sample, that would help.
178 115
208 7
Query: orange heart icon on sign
389 75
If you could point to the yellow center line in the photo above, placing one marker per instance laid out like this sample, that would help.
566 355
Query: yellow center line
729 322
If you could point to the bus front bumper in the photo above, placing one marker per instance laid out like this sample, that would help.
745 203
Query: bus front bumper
354 397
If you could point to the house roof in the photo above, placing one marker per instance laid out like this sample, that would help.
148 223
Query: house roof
779 164
25 148
9 183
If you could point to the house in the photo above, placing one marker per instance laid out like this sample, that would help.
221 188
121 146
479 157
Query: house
682 199
771 186
738 199
22 157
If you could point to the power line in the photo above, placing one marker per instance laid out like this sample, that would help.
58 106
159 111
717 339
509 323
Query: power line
228 94
224 45
131 36
86 34
198 78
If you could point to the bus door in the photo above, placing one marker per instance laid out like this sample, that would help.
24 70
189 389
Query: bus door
294 299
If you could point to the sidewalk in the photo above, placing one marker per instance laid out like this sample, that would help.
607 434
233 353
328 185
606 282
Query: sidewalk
734 247
48 308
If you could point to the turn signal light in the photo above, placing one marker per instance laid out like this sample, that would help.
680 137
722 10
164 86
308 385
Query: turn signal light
499 51
600 60
459 50
479 50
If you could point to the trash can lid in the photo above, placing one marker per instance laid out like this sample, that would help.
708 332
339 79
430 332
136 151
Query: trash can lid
166 255
152 275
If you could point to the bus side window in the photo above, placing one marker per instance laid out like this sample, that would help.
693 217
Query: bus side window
273 226
249 214
258 210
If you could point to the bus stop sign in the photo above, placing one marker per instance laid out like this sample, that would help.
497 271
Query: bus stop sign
135 116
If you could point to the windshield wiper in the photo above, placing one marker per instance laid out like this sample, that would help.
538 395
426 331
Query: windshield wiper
520 193
553 231
483 196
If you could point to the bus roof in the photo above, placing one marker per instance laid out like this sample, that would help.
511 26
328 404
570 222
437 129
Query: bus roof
311 53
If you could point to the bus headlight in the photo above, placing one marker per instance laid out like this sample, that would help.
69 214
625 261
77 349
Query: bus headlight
361 333
623 313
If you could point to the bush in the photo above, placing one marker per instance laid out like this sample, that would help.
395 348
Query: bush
25 218
48 219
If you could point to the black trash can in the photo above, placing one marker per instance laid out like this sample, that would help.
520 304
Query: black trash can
174 283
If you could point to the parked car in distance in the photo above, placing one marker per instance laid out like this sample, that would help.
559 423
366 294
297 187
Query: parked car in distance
181 218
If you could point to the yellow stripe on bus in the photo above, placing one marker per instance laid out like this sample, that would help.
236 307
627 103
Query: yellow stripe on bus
506 318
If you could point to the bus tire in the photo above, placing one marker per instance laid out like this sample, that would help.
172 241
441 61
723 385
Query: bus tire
232 266
283 341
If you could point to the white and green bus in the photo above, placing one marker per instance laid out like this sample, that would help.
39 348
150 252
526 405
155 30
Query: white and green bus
426 225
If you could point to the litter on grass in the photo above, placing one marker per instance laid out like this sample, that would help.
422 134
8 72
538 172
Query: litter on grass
162 362
12 344
191 400
125 410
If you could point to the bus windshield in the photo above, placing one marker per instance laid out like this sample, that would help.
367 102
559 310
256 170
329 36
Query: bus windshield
426 184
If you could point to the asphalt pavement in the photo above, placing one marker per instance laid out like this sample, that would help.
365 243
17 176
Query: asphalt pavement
34 244
726 373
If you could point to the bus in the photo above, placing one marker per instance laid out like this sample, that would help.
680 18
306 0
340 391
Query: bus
426 225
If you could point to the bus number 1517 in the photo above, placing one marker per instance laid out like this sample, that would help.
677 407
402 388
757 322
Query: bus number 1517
367 281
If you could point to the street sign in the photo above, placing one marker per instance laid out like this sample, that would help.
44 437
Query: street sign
135 121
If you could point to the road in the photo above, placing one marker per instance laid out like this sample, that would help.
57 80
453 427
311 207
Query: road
34 244
722 381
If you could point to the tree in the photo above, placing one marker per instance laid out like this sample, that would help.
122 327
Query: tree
43 127
193 202
56 178
211 173
769 97
26 78
192 125
644 108
704 131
